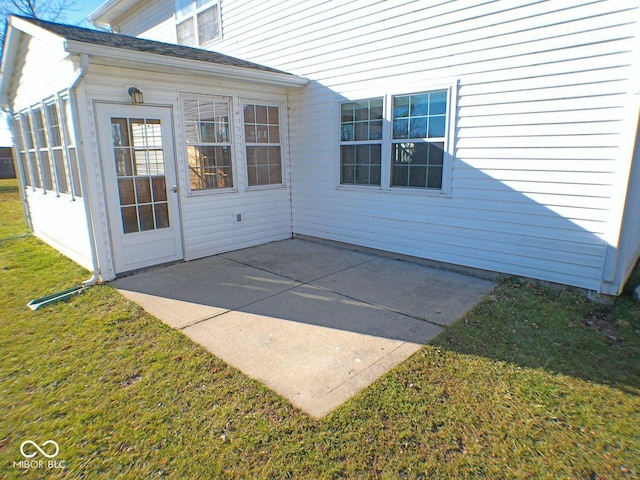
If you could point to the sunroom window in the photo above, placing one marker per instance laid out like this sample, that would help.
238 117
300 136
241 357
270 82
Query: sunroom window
418 139
29 149
55 139
208 139
197 21
361 142
262 138
42 147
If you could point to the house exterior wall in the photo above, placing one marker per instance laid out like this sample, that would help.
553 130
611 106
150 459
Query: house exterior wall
541 94
208 220
152 19
57 219
630 238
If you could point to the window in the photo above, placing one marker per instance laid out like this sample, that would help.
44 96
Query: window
361 142
208 138
42 145
22 152
30 149
57 150
418 140
197 21
70 139
137 147
262 139
402 145
46 147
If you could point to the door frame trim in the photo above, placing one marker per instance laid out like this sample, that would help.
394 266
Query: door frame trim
96 105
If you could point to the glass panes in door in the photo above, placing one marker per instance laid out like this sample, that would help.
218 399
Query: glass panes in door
138 155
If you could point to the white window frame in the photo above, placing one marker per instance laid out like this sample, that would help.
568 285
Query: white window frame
24 151
41 143
364 142
451 87
232 144
192 16
283 163
57 148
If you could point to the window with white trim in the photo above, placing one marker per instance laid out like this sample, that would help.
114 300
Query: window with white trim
38 122
263 147
209 144
46 146
29 148
404 145
197 22
56 147
22 152
71 148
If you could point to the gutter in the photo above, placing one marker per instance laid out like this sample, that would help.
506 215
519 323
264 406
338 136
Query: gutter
84 66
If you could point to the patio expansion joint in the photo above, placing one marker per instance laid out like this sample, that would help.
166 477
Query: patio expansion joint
390 352
203 319
310 283
420 319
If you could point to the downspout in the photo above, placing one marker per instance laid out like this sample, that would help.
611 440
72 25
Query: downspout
73 101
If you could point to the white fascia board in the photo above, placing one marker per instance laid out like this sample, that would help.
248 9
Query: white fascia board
11 41
154 62
34 30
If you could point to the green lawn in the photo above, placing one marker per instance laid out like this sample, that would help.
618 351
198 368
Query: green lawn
533 383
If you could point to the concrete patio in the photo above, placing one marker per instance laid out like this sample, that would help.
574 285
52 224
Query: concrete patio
315 323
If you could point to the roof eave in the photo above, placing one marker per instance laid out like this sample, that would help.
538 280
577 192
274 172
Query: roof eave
140 60
7 65
109 11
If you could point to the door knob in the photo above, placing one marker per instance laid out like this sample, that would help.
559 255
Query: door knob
174 189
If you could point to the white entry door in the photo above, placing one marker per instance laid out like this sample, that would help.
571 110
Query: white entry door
136 146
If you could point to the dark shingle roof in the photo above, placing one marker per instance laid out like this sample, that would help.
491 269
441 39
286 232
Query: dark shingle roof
126 42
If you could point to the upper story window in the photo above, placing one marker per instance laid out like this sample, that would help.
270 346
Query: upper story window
197 21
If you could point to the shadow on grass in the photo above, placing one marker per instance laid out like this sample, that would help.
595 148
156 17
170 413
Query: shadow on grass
4 188
558 330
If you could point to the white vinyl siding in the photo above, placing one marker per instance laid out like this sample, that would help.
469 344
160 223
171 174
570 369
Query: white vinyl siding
541 91
538 154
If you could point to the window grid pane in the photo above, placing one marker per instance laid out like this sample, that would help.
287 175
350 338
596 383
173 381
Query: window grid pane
262 138
208 25
139 162
186 33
